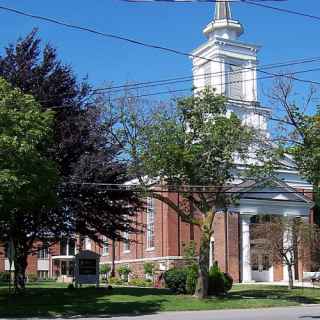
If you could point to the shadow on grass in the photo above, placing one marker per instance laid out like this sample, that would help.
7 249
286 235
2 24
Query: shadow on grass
84 302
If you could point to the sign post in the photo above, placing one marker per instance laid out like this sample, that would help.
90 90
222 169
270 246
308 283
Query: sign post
87 268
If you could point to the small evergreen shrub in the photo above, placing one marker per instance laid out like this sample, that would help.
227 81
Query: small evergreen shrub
124 272
115 281
192 278
32 277
4 276
140 283
105 269
228 282
219 283
148 268
71 286
176 279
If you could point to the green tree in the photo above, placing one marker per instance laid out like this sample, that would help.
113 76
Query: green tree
299 135
193 143
27 177
86 157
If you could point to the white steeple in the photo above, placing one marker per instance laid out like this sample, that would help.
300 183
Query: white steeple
223 25
230 66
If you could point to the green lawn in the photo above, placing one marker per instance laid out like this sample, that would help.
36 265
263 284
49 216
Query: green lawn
52 299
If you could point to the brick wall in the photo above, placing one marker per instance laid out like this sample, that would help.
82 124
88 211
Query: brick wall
227 254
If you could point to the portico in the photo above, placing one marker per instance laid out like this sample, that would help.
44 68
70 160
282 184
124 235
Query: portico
274 199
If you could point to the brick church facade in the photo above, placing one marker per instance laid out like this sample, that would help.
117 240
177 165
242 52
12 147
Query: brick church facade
230 66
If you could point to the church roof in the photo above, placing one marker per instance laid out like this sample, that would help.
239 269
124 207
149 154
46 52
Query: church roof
223 11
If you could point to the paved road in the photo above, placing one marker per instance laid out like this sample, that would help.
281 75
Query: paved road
292 313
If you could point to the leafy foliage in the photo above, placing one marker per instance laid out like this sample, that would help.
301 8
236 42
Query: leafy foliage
194 143
176 279
75 155
140 283
124 272
105 268
192 278
115 281
149 268
219 283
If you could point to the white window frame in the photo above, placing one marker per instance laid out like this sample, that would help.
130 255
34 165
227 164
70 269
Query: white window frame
68 247
105 246
150 224
126 242
43 253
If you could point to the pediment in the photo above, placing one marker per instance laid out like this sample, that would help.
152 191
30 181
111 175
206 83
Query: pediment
273 190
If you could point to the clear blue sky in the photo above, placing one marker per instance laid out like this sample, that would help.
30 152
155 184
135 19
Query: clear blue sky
282 36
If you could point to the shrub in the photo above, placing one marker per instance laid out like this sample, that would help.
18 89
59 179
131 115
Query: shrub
219 283
148 268
71 286
124 272
104 269
32 277
176 279
140 283
228 282
192 278
4 276
115 281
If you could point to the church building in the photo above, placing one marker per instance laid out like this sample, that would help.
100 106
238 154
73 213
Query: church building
230 66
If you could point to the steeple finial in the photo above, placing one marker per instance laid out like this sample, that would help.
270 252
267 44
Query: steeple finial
223 11
223 25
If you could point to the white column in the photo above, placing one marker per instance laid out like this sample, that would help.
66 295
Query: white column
211 257
245 248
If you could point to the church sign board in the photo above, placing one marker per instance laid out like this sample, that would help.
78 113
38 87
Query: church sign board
87 268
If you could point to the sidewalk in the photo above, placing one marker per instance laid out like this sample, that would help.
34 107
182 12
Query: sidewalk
298 284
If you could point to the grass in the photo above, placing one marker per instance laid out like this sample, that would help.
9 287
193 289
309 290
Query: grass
50 299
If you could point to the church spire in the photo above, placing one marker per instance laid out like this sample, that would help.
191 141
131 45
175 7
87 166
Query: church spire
223 11
223 25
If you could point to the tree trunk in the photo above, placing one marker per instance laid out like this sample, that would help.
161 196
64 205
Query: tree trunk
20 265
203 278
113 263
290 274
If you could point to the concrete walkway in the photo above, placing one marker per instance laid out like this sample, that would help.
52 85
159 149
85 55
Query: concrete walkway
297 284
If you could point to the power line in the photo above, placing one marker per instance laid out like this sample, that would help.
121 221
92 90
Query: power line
189 189
96 92
221 84
136 42
226 83
161 82
303 14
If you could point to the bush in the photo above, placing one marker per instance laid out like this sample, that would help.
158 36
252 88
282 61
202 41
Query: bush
71 286
124 272
115 281
32 277
4 276
192 278
148 268
176 279
228 282
140 283
104 269
219 283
